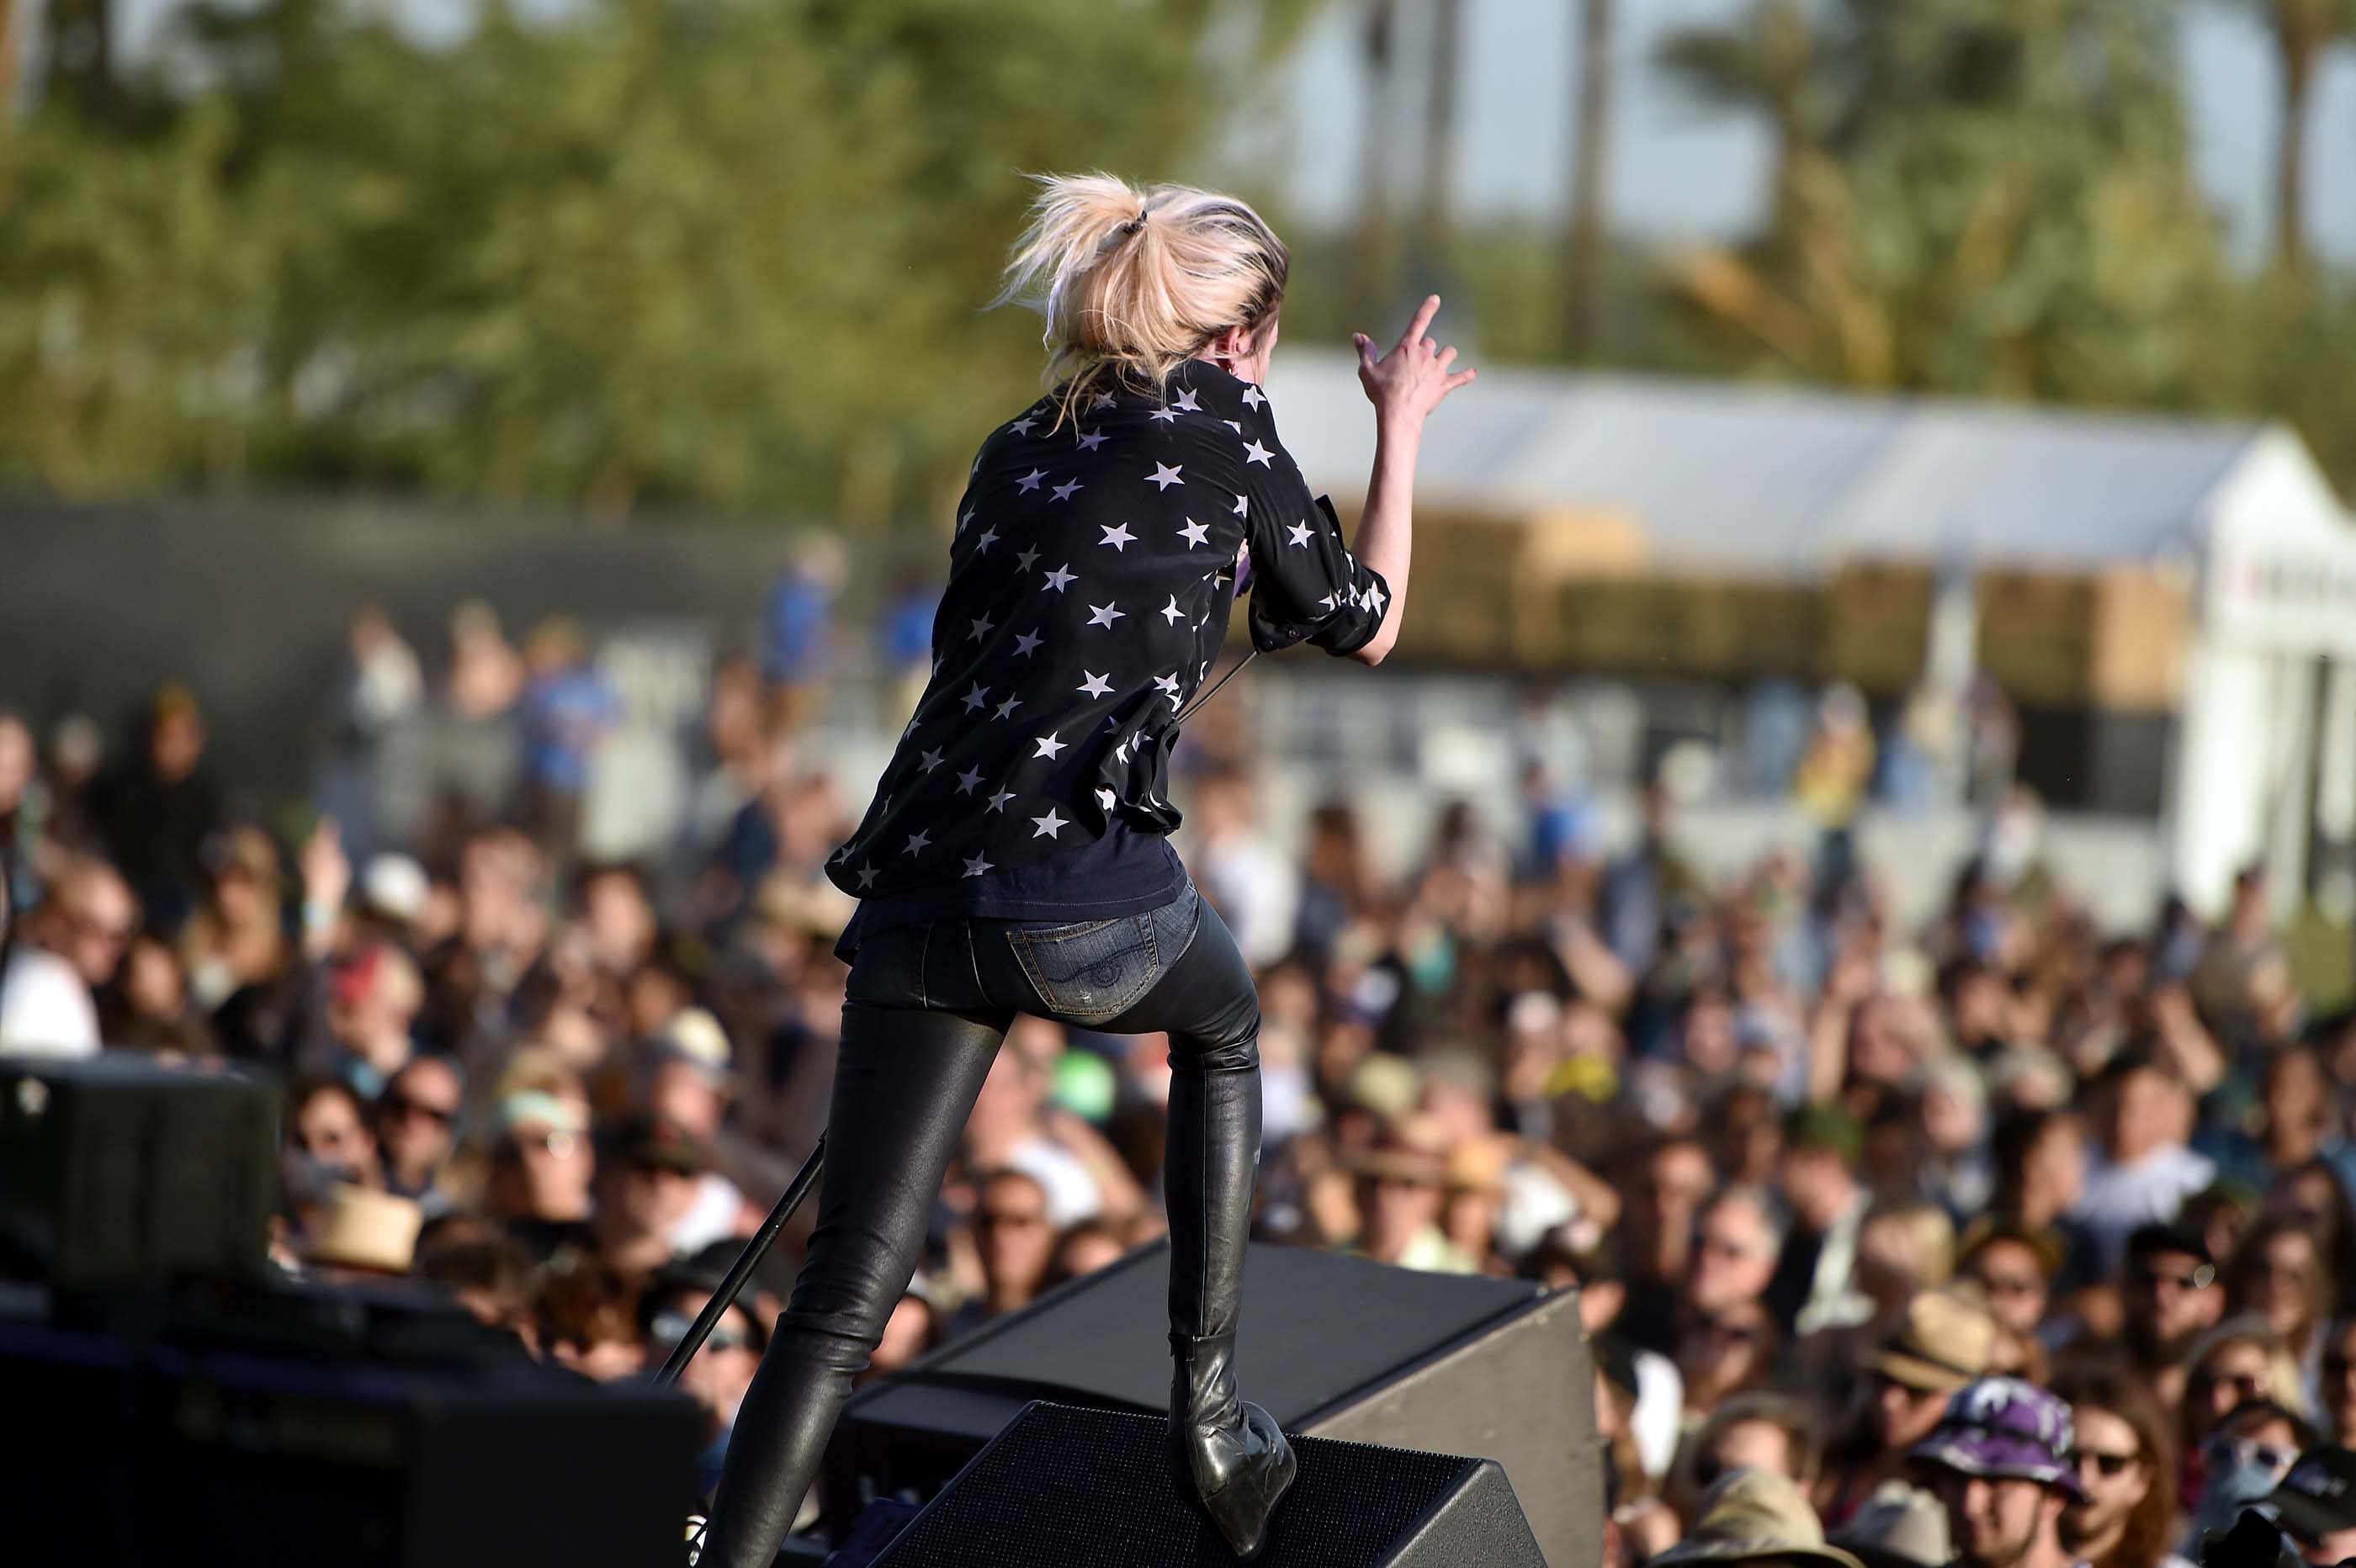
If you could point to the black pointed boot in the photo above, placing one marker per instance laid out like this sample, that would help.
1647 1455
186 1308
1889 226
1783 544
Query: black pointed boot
1229 1451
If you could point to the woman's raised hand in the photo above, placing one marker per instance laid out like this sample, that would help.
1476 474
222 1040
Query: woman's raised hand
1411 379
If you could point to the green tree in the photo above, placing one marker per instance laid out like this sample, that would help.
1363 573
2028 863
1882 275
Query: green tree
1988 197
2303 30
651 252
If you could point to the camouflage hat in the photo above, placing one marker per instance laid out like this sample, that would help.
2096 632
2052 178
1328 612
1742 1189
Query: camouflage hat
2003 1426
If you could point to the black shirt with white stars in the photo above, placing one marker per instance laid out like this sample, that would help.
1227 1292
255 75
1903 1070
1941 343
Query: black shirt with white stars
1091 576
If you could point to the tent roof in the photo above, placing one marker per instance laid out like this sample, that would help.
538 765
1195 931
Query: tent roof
1789 480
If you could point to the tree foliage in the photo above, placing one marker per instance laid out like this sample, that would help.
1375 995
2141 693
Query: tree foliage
709 251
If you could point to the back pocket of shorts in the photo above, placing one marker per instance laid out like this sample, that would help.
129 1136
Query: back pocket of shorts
1091 970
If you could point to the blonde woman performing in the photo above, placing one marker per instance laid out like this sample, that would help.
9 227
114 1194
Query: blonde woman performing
1016 859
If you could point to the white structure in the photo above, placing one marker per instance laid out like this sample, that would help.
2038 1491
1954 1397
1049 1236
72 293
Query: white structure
1789 483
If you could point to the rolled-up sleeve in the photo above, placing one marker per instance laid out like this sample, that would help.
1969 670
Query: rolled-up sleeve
1307 586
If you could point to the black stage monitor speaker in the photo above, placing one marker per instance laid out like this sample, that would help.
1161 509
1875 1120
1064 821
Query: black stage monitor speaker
1331 1345
1066 1488
216 1451
114 1170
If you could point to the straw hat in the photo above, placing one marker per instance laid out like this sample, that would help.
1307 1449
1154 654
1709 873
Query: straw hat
368 1229
1750 1514
1943 1342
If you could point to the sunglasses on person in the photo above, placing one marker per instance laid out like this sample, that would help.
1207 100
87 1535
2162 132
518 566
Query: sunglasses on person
401 1107
2246 1386
2201 1278
2106 1464
1721 1328
2226 1451
2010 1284
997 1219
1883 1382
669 1328
554 1144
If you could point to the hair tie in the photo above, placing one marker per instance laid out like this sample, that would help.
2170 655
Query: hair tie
1134 224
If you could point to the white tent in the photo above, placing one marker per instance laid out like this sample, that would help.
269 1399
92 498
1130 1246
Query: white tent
1789 482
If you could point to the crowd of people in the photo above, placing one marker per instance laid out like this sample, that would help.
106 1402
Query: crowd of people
2006 1240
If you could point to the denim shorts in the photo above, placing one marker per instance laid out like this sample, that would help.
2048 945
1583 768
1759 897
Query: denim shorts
1084 972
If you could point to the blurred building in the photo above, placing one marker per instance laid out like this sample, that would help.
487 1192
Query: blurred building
2168 605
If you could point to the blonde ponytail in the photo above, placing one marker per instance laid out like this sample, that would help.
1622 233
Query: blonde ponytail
1133 284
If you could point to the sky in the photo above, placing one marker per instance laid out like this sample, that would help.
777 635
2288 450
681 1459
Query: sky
1679 170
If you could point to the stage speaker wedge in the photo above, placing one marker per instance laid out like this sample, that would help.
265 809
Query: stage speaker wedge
1331 1345
1065 1486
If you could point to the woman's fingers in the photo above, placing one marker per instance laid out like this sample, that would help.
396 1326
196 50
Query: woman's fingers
1422 321
1462 378
1446 357
1365 347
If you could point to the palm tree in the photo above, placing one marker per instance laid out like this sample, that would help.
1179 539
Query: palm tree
1769 66
1591 149
2303 31
1439 144
1369 271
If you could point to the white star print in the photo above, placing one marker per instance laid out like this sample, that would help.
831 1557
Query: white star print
1375 599
1104 614
1104 798
1255 453
1049 824
1023 426
981 627
1120 752
1095 686
1233 425
1025 643
976 867
985 541
866 876
1091 440
1252 399
1170 612
1048 746
1022 563
1168 684
1101 400
967 780
1166 416
1326 602
964 517
1187 403
1195 533
1118 536
1242 502
1009 705
1030 481
977 696
1063 492
998 802
931 759
1299 533
1061 575
1163 476
917 841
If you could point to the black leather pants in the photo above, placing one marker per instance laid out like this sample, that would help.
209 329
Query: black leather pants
925 1011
